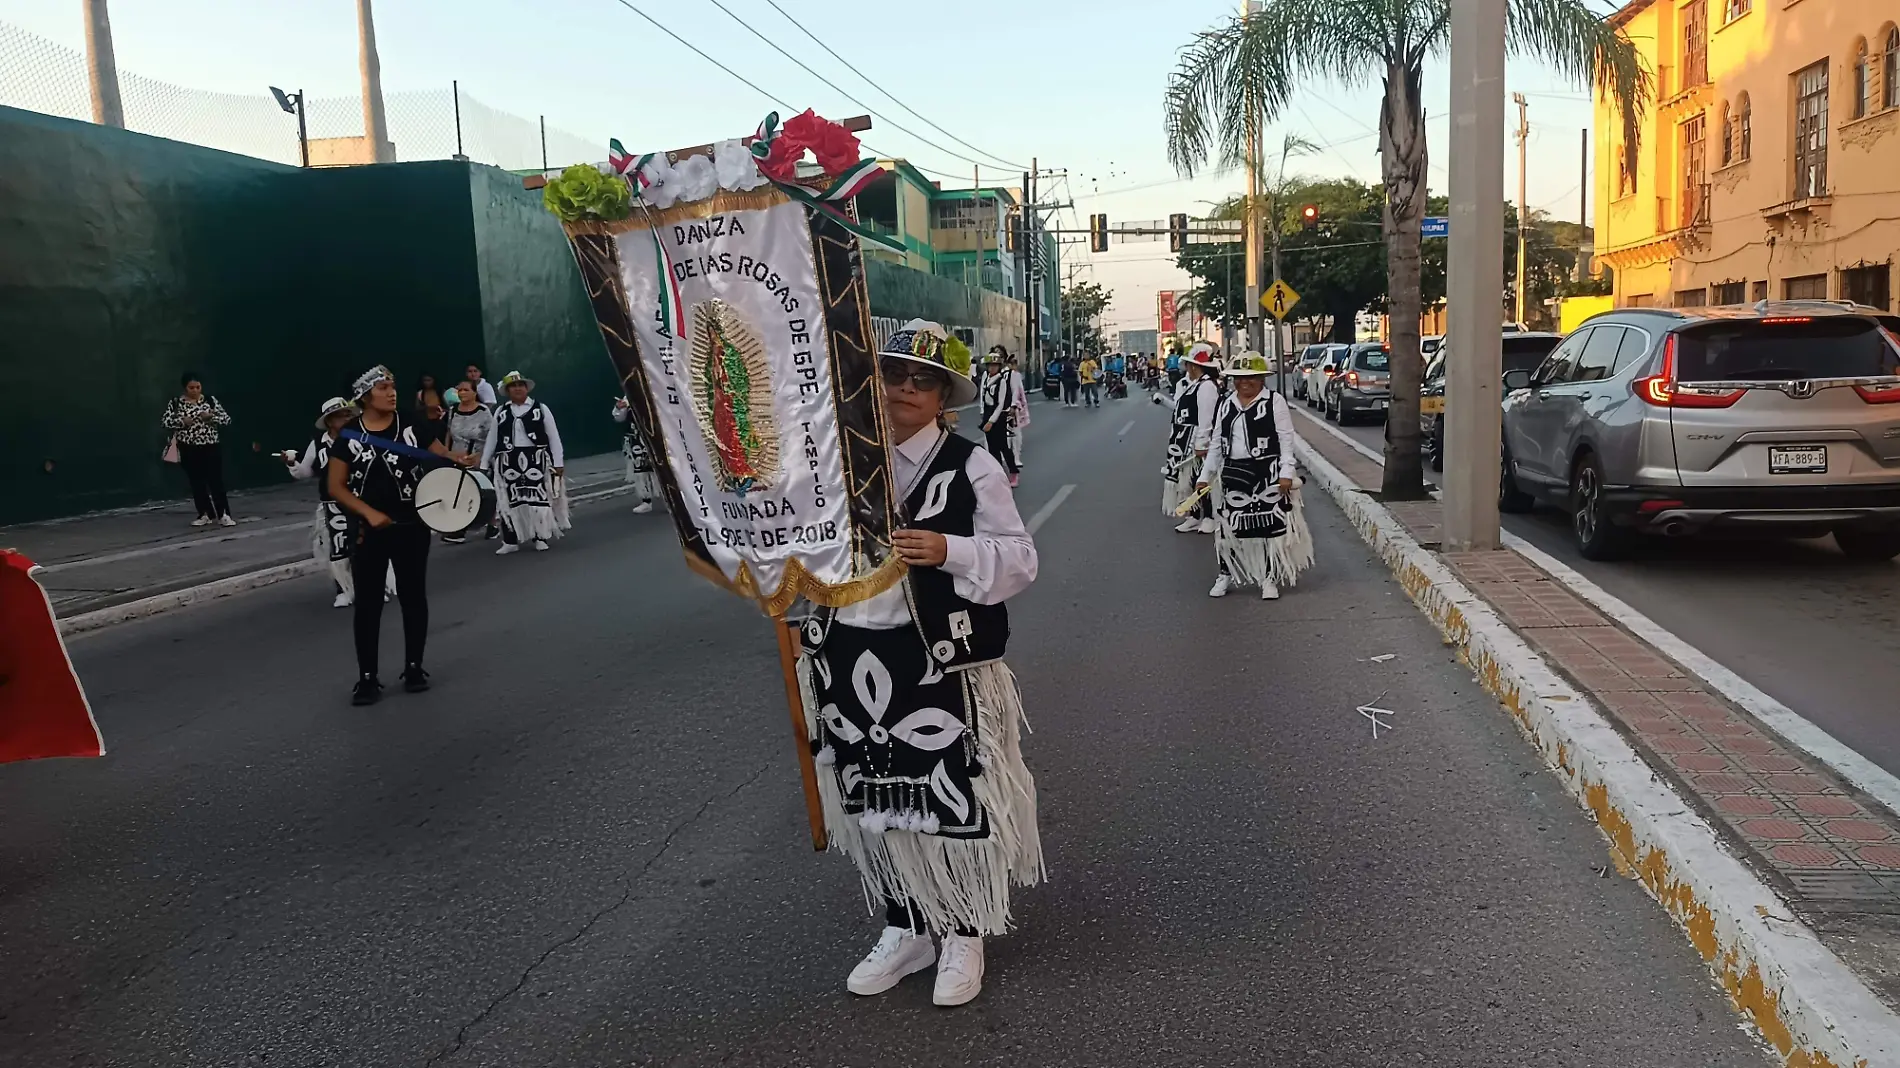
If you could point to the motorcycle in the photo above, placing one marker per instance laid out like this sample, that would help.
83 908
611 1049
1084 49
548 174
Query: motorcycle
1117 386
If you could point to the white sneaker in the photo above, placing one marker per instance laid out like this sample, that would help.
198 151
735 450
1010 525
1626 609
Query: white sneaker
226 521
1268 591
507 549
1188 526
960 973
343 600
201 521
643 508
898 953
1221 586
1207 525
540 546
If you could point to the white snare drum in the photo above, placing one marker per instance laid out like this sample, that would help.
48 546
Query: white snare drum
450 500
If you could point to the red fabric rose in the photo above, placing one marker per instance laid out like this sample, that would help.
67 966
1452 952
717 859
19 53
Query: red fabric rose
834 147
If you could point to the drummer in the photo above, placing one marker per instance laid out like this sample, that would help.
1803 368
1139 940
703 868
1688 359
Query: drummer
373 474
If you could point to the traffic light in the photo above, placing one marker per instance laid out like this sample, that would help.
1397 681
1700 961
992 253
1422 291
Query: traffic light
1309 217
1013 239
1177 231
1098 233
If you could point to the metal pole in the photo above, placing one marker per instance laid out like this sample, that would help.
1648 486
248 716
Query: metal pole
544 142
1523 208
102 70
303 129
1583 206
455 94
1255 340
1279 370
375 122
1475 275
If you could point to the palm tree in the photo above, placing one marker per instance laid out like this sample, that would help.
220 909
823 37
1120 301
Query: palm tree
1236 77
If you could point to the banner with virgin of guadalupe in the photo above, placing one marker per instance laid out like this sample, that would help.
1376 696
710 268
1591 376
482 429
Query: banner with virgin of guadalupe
731 296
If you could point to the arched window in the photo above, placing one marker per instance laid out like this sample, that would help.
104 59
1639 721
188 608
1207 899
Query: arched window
1744 134
1890 69
1728 135
1863 83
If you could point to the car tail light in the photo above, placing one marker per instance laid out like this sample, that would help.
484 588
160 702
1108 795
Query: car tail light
1352 378
1662 390
1879 394
1652 507
1782 319
1330 372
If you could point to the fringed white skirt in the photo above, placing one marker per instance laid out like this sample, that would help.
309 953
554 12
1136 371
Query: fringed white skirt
1249 561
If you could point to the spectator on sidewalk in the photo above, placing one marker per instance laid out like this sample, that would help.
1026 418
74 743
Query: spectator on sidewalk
484 392
426 387
193 417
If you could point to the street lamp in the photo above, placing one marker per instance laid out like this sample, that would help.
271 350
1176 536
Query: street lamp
292 103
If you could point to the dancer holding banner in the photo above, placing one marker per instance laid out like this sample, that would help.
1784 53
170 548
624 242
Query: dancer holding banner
639 462
525 447
373 477
1261 537
1195 399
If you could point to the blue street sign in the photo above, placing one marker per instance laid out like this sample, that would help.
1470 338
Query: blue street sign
1434 226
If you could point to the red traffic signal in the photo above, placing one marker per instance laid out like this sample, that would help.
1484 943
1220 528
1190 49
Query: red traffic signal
1309 217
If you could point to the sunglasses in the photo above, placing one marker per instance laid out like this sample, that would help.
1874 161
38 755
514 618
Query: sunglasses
897 372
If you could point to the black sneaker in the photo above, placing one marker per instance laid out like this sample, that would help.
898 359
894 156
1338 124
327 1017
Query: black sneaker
493 533
367 692
414 679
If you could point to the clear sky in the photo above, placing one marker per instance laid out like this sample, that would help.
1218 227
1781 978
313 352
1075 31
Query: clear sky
1075 85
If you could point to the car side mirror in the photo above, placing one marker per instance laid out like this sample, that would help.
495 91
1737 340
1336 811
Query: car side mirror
1516 380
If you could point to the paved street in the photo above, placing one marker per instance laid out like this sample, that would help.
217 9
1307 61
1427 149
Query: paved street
1807 626
585 846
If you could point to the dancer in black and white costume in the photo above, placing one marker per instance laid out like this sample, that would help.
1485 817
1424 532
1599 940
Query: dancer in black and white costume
1261 538
639 460
1195 398
524 448
330 539
998 402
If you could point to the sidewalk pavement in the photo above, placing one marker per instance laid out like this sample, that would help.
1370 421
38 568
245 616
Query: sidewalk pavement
104 560
1828 851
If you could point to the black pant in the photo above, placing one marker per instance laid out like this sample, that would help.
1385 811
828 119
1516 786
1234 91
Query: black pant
898 914
1068 391
406 548
204 467
997 438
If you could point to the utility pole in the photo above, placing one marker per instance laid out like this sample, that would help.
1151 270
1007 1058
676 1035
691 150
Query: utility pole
102 69
1024 239
1475 276
1523 209
1255 337
375 121
544 143
1583 208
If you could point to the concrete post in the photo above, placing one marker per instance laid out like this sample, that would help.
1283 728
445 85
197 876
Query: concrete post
1475 275
1256 334
101 69
375 121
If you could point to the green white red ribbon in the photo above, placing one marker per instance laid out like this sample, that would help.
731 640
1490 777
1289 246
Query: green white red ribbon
672 306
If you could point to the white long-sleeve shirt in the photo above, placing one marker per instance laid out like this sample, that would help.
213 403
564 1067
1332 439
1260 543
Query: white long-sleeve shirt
306 466
1221 446
557 457
1205 403
997 562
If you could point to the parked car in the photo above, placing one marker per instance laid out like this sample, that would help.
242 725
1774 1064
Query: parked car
1317 376
1308 359
1363 385
1523 351
1429 345
1782 417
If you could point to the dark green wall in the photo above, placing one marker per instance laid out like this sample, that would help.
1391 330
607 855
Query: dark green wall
903 293
127 259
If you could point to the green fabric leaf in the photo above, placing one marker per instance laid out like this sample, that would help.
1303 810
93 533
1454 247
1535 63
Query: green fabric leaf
582 193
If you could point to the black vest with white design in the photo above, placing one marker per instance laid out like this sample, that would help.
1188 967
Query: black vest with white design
1258 431
534 424
320 466
959 633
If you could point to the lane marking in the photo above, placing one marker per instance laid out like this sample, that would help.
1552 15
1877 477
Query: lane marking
1126 429
1042 515
1794 728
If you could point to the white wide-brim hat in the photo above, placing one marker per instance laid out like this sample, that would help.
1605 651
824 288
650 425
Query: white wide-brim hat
1203 354
925 342
333 406
513 377
1248 364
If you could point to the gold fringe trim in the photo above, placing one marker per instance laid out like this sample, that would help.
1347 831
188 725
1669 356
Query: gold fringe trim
719 203
799 582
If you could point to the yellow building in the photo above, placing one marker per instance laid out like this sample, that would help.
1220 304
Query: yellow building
1769 158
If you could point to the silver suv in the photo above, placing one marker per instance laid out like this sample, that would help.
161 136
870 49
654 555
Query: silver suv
1782 418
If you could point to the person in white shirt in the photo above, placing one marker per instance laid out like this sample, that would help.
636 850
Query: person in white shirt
633 449
921 774
483 391
999 411
524 446
1261 537
1195 398
1021 393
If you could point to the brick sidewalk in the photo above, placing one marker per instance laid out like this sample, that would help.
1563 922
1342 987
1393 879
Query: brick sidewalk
1828 851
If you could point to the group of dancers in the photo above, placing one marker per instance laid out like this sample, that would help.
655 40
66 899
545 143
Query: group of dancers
1230 471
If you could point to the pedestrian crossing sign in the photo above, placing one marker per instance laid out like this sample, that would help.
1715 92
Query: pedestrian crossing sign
1279 299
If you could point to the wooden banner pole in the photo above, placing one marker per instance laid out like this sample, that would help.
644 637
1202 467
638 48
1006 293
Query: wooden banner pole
795 701
856 124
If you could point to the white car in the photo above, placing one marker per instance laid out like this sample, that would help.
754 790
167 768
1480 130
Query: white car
1321 372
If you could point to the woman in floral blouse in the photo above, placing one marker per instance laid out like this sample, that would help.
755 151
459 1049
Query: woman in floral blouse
194 419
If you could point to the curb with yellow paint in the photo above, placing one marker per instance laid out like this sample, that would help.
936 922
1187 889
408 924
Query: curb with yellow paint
1804 1000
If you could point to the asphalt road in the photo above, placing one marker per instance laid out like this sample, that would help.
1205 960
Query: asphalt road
1809 627
586 845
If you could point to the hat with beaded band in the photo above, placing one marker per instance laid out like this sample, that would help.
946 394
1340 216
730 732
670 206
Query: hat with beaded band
928 343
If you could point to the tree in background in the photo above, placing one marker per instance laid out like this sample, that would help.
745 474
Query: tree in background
1246 71
1082 306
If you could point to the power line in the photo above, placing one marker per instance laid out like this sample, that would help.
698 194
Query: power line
887 93
837 88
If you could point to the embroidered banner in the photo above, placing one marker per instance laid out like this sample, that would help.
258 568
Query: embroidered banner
739 321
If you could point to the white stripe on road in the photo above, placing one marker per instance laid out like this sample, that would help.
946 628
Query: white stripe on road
1126 429
1042 515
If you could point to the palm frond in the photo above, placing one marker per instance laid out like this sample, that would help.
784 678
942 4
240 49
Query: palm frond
1582 45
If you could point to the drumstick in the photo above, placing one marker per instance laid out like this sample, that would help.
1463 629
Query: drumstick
1193 499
